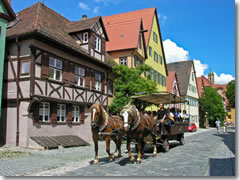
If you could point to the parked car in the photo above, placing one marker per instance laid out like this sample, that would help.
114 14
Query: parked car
192 127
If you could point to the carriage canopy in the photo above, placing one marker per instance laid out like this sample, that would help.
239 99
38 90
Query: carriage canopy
160 98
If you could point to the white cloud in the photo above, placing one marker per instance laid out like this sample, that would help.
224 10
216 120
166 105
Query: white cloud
106 2
223 78
95 10
173 53
83 6
199 67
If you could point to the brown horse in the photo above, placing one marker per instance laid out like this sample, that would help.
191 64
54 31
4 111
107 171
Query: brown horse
111 127
137 127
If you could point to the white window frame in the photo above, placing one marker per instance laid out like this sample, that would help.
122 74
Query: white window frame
61 112
25 69
97 44
123 61
76 114
85 37
79 74
98 83
43 114
55 67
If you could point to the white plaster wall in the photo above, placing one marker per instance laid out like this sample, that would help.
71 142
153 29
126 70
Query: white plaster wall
11 117
11 90
42 85
38 71
54 94
25 88
23 124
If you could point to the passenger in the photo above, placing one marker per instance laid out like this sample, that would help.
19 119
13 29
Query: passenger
185 116
180 115
171 117
161 117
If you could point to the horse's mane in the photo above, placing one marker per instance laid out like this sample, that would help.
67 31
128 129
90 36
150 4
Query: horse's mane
131 109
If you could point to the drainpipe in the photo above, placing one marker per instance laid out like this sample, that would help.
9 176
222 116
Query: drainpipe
18 90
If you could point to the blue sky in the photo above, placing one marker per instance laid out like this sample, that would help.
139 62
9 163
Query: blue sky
203 30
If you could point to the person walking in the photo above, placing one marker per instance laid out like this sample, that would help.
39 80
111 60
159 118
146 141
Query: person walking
225 126
218 123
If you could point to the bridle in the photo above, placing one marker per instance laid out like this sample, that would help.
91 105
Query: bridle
94 124
133 124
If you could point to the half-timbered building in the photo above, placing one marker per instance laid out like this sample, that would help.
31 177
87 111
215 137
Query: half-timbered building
54 70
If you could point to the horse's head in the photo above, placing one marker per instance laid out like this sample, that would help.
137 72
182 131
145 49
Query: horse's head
96 113
129 114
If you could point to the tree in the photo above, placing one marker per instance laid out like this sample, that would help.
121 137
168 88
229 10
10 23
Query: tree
211 102
130 81
231 93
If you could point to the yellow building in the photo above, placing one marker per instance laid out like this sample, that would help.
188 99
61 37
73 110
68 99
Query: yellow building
129 45
230 116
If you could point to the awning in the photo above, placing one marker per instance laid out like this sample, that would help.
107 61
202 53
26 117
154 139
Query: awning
160 98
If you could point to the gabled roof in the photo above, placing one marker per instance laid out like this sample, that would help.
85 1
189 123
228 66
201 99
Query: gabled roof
48 24
85 24
11 15
147 16
170 79
124 35
183 70
202 82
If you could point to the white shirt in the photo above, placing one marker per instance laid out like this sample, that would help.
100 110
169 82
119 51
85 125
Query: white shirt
218 123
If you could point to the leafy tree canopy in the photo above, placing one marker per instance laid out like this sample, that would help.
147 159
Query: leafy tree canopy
130 81
211 102
231 93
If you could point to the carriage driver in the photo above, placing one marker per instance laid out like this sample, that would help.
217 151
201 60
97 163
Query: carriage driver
161 117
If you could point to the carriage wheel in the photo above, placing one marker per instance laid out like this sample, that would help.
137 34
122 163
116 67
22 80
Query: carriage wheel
182 141
165 146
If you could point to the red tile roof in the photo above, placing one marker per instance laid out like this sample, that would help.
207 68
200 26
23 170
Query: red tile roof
170 78
123 35
145 14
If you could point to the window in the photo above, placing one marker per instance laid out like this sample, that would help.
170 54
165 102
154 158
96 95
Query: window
123 61
75 114
98 82
152 75
137 61
61 112
160 59
97 44
44 112
25 67
164 80
150 51
159 78
110 87
85 37
155 38
80 76
156 76
155 57
192 76
55 69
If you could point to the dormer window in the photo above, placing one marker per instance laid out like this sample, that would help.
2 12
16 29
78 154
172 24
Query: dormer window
97 44
85 37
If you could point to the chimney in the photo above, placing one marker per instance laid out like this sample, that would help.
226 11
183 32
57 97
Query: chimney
84 17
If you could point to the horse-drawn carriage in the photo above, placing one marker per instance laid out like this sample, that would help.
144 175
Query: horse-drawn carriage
134 125
167 132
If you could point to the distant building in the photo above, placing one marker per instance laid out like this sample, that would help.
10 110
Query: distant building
186 75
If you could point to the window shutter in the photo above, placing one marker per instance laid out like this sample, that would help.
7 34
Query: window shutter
87 78
69 113
45 66
93 40
82 115
103 46
65 72
36 113
53 110
93 80
103 83
71 73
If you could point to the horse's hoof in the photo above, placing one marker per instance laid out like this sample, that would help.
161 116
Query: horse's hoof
132 159
95 161
155 154
139 161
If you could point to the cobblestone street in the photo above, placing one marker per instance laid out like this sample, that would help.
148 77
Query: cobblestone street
205 153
